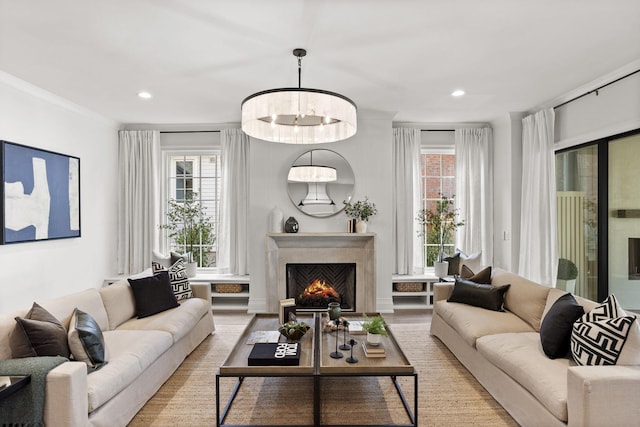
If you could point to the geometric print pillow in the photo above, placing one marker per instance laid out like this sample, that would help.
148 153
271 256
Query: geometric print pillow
600 342
607 310
178 277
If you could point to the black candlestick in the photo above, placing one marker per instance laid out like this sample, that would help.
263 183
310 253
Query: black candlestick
336 354
344 345
352 359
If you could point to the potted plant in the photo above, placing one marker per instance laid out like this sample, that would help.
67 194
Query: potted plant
375 329
438 226
360 211
190 228
567 275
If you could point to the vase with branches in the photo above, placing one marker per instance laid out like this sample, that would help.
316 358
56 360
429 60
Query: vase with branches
190 228
360 211
438 224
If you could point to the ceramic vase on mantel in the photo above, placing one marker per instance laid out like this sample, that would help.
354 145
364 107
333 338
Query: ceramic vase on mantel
441 269
361 226
276 222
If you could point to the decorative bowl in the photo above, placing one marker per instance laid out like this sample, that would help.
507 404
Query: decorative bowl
293 331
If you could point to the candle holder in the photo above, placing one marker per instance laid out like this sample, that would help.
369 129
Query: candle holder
336 354
352 359
344 345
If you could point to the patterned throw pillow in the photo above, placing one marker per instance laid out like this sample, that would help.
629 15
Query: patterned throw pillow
606 335
178 277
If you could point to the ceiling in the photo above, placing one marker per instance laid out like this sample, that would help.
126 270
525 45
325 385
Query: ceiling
201 58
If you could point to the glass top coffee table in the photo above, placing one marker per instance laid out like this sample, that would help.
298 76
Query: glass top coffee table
316 362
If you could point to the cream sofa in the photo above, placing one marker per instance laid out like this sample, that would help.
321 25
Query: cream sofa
143 354
503 351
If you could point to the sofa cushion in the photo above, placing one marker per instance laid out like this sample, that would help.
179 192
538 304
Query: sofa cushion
119 302
555 331
479 295
525 298
45 335
178 321
520 356
131 352
88 301
483 276
86 341
474 322
177 277
153 294
600 342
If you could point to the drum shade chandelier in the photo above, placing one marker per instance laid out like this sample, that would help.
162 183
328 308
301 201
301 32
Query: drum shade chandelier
299 115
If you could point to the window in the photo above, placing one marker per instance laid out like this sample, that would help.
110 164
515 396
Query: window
194 177
437 173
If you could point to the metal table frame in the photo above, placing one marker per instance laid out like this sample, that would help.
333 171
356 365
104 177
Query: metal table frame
317 379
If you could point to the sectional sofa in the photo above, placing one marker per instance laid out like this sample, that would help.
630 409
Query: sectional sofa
143 354
502 349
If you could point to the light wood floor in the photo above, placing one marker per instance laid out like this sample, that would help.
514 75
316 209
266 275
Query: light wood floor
400 316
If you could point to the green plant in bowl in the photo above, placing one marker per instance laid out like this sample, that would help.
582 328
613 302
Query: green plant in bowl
374 325
294 330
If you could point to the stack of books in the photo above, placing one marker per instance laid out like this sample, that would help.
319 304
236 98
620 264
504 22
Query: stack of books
373 350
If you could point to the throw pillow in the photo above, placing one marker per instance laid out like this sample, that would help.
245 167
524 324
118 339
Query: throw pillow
45 335
175 256
178 278
611 309
555 331
600 342
472 261
86 340
454 264
153 294
477 294
484 276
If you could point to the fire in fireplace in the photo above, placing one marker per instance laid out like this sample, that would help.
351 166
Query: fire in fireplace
314 286
318 294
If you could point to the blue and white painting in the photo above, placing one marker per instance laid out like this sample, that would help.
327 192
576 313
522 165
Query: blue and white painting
41 194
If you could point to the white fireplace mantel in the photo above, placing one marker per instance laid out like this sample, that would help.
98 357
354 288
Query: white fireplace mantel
358 248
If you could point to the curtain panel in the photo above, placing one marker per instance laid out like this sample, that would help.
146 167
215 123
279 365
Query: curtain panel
406 200
234 203
138 210
474 191
538 229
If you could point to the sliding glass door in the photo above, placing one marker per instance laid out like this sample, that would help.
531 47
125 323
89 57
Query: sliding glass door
577 204
624 220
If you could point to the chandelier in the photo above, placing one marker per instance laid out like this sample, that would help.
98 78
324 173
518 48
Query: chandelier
299 115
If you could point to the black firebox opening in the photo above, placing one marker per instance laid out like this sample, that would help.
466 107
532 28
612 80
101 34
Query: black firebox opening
315 285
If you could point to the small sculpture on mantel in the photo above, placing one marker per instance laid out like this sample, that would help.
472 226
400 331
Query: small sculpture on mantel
291 225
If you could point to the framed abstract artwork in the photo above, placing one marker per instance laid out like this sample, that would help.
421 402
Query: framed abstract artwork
40 194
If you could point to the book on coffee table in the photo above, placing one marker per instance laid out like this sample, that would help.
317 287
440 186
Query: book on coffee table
373 351
275 354
263 336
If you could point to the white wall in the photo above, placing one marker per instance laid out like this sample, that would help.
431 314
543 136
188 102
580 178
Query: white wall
369 153
47 269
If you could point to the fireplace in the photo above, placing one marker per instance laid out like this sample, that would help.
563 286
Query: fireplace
314 285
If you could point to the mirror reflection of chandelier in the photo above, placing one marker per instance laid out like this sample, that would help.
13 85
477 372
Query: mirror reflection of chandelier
299 115
312 173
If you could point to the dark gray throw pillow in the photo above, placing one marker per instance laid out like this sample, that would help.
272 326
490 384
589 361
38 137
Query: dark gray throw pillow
153 294
555 331
479 295
483 276
86 340
454 264
45 335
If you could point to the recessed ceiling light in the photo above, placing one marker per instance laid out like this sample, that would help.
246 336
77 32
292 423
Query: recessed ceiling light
457 92
144 95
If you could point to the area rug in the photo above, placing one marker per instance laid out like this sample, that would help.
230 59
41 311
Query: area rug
448 393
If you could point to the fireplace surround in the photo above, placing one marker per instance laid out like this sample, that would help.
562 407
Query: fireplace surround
322 248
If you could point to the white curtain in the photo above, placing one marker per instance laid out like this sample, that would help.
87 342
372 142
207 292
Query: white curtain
538 230
474 191
406 200
234 203
138 210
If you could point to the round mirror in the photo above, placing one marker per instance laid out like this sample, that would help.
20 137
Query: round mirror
318 181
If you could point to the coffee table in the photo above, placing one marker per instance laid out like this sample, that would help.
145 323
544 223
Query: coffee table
315 362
